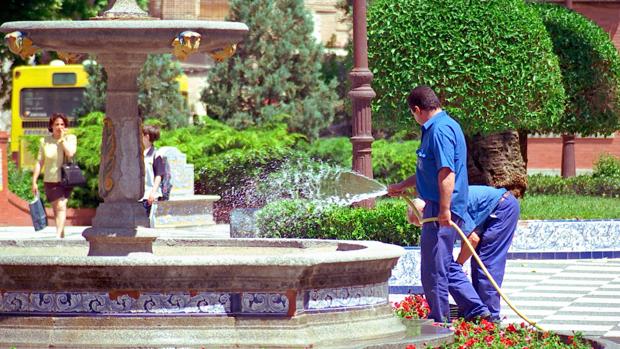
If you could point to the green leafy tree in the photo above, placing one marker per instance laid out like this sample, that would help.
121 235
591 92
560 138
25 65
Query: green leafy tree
95 93
159 97
276 71
490 62
590 67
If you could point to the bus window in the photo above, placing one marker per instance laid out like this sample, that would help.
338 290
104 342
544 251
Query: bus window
41 102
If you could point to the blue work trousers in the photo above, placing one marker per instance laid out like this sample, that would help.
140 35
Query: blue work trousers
495 239
440 272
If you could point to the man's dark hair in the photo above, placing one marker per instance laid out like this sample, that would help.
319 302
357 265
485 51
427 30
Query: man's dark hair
53 118
151 131
424 98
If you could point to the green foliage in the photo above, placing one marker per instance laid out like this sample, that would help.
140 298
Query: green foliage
607 166
569 206
159 97
590 67
20 182
304 219
391 161
95 93
88 156
227 161
579 185
276 71
490 62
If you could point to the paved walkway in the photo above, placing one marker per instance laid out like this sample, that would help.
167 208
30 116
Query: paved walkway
566 295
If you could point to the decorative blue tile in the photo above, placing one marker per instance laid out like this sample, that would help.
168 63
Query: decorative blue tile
597 254
518 255
573 255
561 255
585 255
533 255
346 297
608 254
547 255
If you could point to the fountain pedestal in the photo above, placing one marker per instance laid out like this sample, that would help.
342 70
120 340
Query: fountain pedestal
121 172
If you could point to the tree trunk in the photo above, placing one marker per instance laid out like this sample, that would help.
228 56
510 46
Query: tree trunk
496 160
523 146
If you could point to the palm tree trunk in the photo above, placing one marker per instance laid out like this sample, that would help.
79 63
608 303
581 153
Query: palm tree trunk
496 160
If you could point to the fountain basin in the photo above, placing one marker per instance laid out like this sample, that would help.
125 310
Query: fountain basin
195 292
125 36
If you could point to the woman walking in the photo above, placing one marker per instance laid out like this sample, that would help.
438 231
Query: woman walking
53 150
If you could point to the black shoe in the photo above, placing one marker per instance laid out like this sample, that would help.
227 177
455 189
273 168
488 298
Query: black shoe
478 318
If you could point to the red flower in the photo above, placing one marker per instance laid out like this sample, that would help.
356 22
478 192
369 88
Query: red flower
511 328
410 346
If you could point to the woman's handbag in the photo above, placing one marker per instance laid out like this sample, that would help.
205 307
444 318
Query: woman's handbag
37 213
71 175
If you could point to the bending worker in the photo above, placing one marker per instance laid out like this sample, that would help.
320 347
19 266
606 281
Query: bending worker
495 213
441 180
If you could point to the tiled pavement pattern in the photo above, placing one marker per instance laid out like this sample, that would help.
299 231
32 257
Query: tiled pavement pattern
566 295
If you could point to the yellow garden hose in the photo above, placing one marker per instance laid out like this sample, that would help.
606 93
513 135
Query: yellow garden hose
475 255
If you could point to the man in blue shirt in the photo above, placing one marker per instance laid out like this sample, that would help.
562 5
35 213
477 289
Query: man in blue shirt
441 181
494 213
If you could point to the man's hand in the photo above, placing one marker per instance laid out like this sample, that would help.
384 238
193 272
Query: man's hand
465 253
444 217
395 189
151 199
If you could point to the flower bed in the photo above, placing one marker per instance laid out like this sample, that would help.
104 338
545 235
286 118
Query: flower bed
485 334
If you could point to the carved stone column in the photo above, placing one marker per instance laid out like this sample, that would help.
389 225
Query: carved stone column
121 172
361 95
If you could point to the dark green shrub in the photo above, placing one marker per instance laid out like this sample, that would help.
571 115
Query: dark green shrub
305 219
20 182
590 67
276 70
491 63
579 185
607 166
391 161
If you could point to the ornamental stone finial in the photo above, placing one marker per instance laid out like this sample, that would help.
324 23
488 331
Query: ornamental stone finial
125 9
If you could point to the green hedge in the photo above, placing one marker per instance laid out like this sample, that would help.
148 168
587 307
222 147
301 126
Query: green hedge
305 219
391 161
579 185
590 67
491 63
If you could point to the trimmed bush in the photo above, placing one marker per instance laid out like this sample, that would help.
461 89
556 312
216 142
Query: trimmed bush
607 166
579 185
491 63
590 67
305 219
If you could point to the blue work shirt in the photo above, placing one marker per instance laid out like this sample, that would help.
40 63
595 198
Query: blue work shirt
443 145
481 203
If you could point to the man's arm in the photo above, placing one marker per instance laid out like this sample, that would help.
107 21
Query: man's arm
399 188
446 180
465 253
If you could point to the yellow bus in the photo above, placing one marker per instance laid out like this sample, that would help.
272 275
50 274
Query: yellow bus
39 91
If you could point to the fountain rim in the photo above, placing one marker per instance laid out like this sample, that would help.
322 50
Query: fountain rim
123 24
370 251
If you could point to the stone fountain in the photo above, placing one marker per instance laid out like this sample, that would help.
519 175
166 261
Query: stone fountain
124 288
